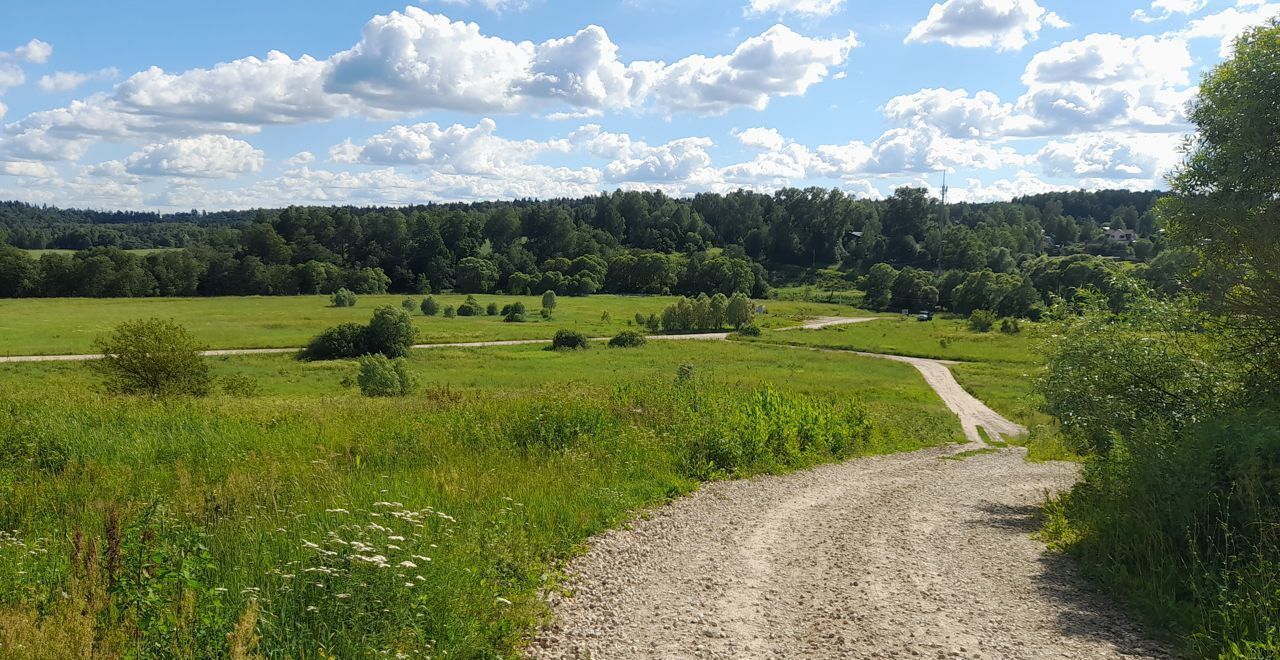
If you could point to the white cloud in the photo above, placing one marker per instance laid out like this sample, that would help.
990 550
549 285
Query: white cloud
1003 190
457 149
301 158
206 156
955 112
684 160
779 62
767 139
1111 59
808 8
65 81
1113 157
497 6
1002 24
1163 9
34 51
10 76
583 71
1230 23
28 169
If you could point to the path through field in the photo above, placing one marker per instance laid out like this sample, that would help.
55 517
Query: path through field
926 554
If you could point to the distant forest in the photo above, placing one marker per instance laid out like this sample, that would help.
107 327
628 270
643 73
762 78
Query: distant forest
623 242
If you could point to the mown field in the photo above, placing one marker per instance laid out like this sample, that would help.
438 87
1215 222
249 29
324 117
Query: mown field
329 524
35 326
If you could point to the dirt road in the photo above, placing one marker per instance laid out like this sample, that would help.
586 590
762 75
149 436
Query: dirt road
926 554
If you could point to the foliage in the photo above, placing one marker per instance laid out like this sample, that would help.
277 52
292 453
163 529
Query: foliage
429 306
1010 326
470 307
475 275
154 357
627 339
380 376
569 340
409 306
982 320
1226 199
514 313
544 313
491 309
740 311
449 312
390 332
239 385
549 300
344 298
749 330
1111 372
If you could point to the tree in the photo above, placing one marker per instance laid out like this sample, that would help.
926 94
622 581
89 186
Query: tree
383 377
409 306
1226 194
878 286
982 320
740 311
391 332
470 307
347 340
344 298
514 313
17 272
155 357
549 301
569 340
430 307
475 275
913 289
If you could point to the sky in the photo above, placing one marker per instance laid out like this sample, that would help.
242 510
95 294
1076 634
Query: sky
174 106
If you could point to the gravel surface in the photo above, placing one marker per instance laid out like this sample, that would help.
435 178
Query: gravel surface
925 554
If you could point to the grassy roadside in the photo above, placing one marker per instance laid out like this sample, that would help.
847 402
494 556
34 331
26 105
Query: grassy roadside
39 326
350 526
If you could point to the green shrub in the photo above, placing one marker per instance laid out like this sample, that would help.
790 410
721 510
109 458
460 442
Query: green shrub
347 340
381 377
344 298
549 301
391 332
1010 326
684 372
982 320
640 319
155 357
239 385
409 306
491 310
627 339
430 307
545 313
470 307
449 312
513 313
749 330
569 340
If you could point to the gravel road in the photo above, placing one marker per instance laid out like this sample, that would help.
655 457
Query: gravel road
925 554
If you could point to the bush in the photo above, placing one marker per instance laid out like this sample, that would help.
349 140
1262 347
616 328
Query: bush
337 343
380 376
491 310
470 307
982 320
513 313
448 312
409 306
430 307
545 313
549 302
1010 326
391 332
640 319
344 298
749 330
740 311
627 339
239 385
154 357
569 340
684 372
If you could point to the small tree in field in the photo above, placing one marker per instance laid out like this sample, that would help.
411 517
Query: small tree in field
409 305
344 298
549 302
390 332
513 313
981 320
491 310
155 358
430 307
569 340
380 376
448 312
739 311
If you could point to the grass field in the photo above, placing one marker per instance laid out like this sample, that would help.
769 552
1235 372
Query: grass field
334 525
38 326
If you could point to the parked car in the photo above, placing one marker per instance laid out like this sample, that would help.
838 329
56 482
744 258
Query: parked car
924 316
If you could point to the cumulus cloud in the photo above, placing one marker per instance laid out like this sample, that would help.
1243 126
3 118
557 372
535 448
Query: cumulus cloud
411 61
34 51
1230 23
206 156
768 139
497 6
65 81
1113 157
1002 24
28 169
1163 9
955 112
807 8
458 149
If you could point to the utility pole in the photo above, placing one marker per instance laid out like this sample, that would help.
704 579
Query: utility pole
942 224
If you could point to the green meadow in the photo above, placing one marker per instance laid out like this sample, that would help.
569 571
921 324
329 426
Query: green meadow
49 326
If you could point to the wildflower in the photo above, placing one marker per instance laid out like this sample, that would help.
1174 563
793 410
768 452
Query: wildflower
407 564
336 511
504 601
342 596
312 608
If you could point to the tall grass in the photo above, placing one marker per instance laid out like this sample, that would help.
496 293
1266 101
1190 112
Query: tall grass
339 526
1186 527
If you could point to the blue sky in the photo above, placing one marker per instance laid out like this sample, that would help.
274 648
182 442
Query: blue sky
238 104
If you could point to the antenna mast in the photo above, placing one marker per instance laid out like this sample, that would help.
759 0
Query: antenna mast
942 221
